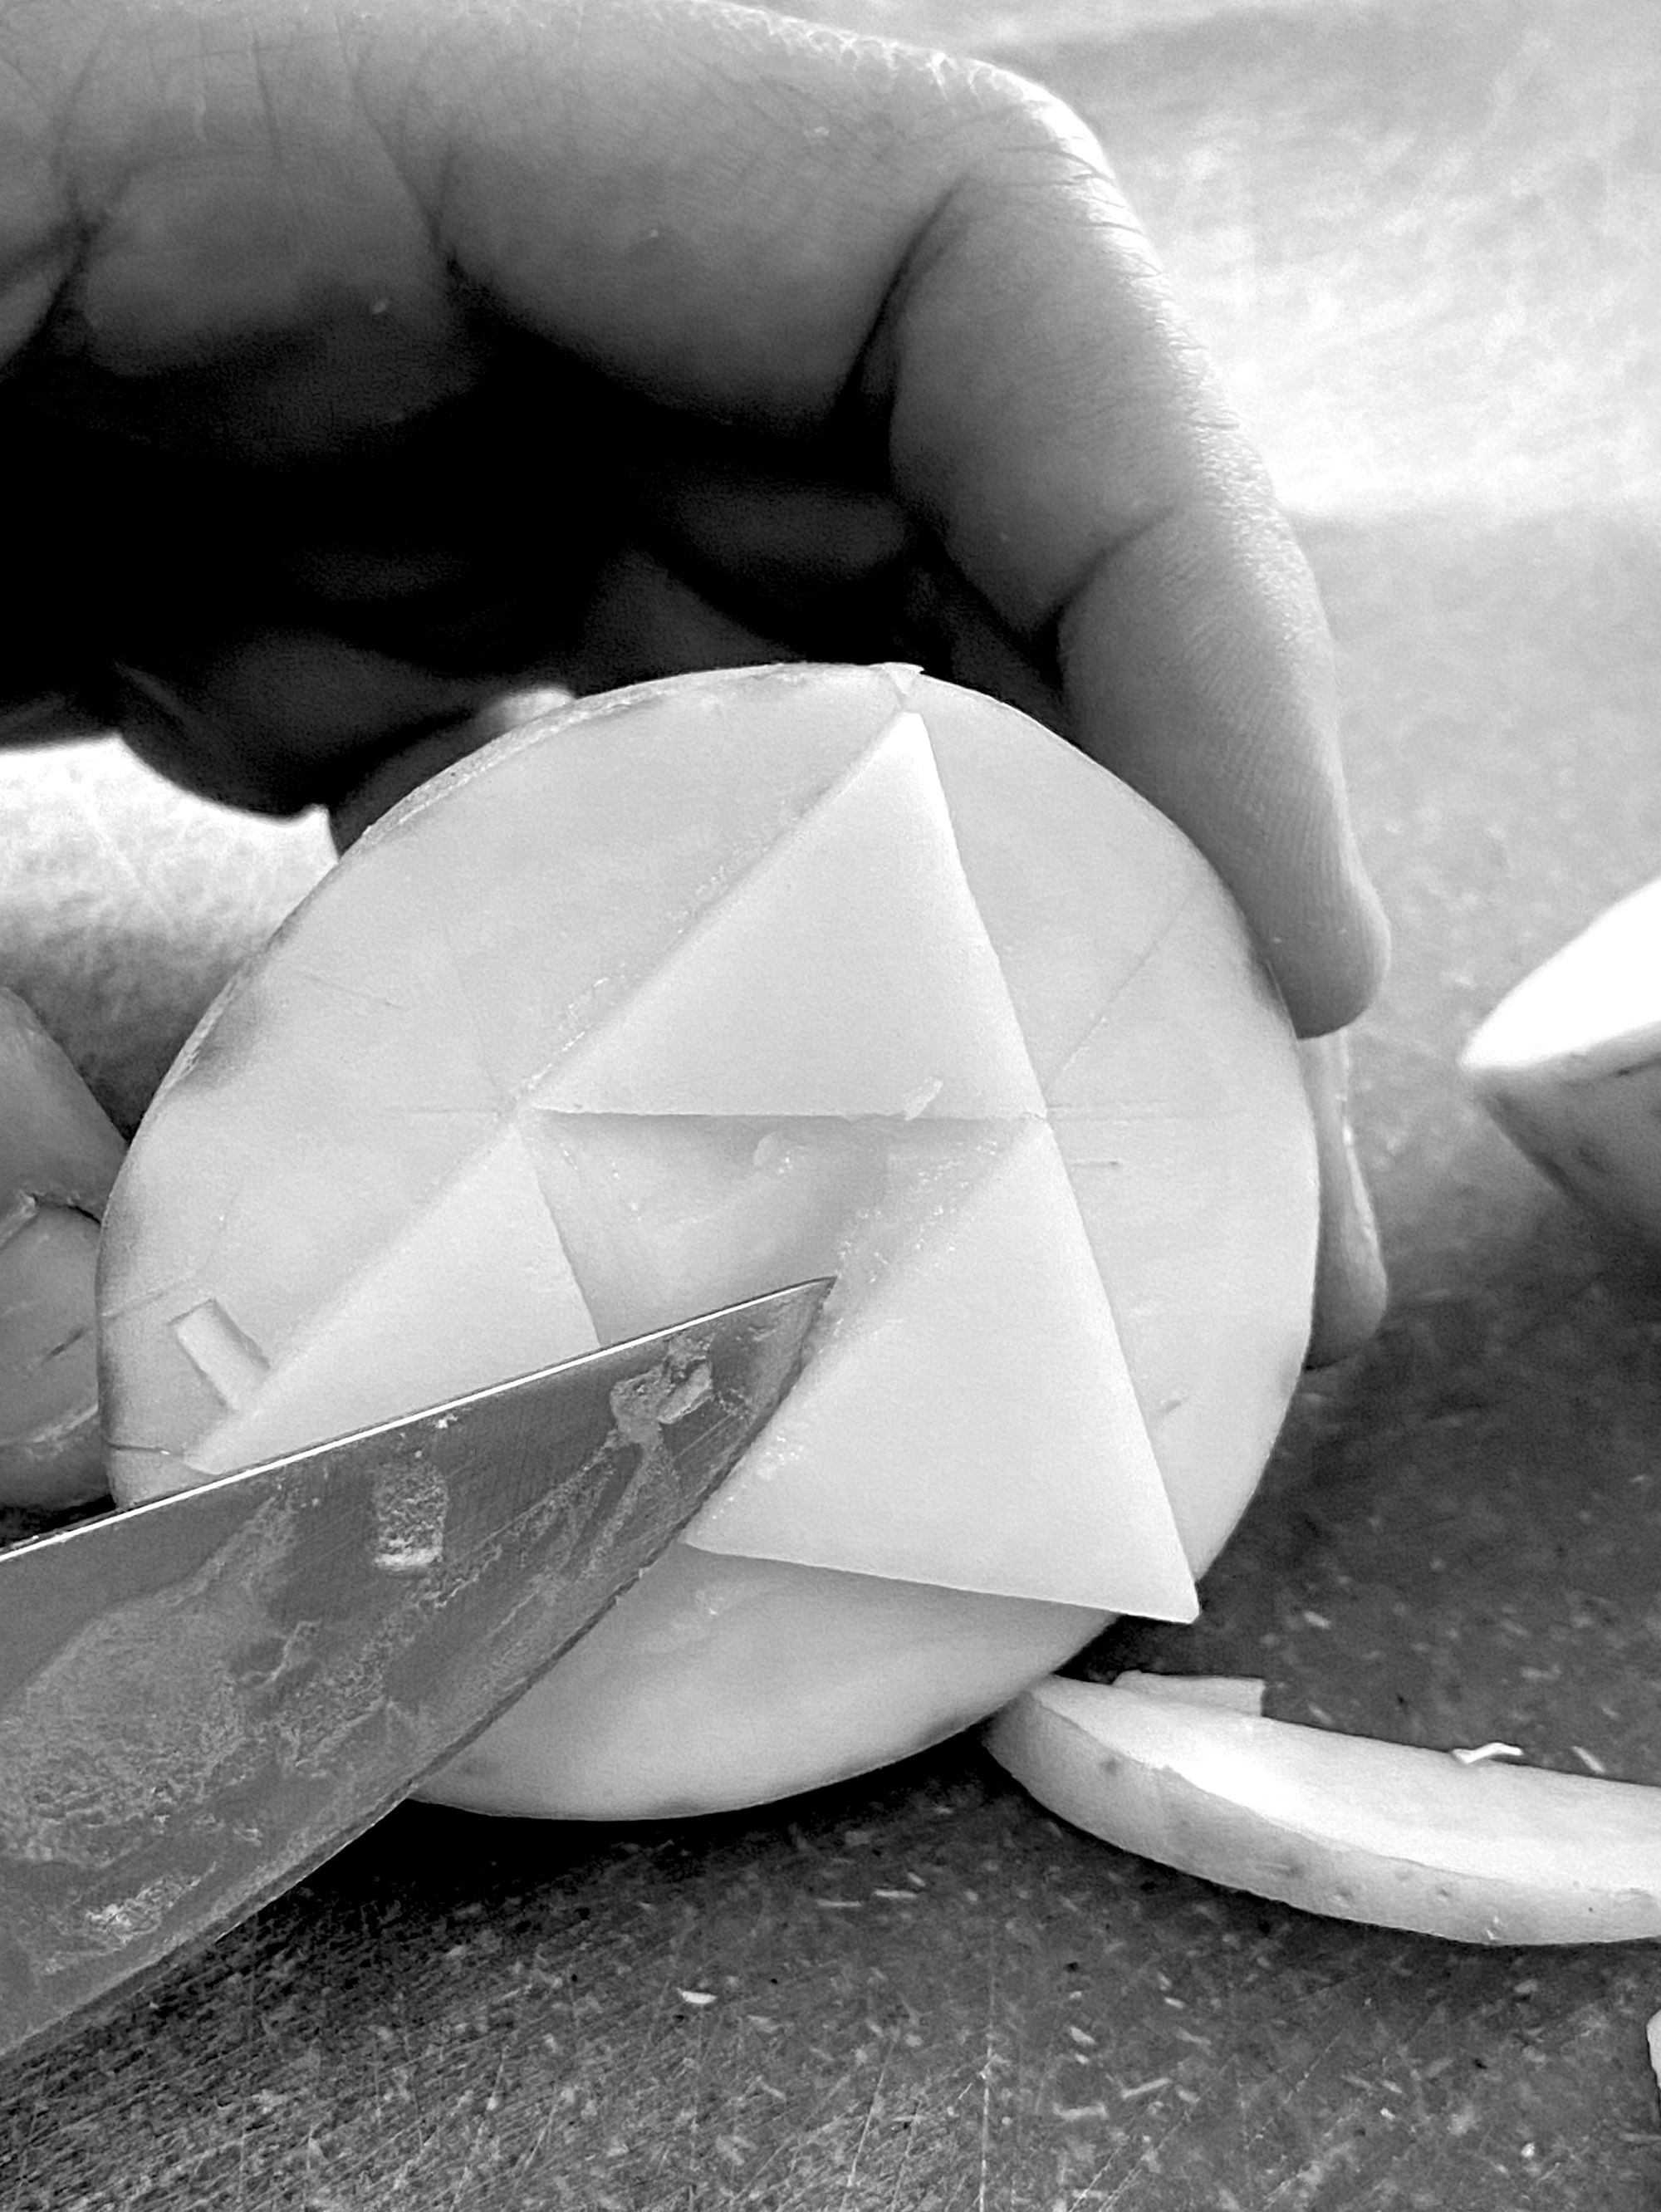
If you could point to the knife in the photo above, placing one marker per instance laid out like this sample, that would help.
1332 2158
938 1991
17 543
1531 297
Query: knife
202 1698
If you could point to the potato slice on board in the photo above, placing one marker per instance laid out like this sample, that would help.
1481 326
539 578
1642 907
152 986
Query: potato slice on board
1388 1833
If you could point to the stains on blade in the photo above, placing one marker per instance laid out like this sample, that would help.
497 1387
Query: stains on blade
204 1698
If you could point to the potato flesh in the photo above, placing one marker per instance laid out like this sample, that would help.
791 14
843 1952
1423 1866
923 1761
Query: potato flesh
1601 988
718 1682
1598 1136
992 1362
1569 1065
1390 1834
848 972
1200 1209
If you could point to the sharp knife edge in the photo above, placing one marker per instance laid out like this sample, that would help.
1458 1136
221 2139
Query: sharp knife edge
203 1697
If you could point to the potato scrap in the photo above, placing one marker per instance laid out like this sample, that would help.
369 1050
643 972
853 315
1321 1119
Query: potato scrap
1389 1834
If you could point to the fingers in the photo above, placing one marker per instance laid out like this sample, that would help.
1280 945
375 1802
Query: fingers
1196 664
1351 1289
1055 420
285 720
749 222
825 225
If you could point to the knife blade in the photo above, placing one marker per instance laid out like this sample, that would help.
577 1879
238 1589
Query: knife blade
203 1697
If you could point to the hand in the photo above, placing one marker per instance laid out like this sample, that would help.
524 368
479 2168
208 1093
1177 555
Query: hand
371 363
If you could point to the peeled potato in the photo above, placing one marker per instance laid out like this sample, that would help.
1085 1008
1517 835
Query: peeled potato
1569 1065
688 992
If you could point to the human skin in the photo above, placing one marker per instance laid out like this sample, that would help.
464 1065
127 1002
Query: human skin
374 361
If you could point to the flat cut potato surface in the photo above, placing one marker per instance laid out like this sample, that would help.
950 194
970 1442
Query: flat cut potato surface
1569 1065
693 989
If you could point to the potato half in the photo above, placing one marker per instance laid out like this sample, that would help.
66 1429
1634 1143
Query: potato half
690 991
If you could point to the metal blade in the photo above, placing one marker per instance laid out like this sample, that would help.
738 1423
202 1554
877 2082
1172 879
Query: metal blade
202 1698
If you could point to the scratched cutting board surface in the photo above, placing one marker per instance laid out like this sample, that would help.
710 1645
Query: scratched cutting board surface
1422 242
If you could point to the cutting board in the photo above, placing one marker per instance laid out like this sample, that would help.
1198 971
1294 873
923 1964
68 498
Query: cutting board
1422 242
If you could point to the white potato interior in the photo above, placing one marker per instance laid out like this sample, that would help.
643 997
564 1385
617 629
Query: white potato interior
676 995
1598 995
1569 1064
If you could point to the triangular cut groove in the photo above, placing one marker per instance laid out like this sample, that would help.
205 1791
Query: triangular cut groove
663 1215
848 972
482 1271
984 1417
